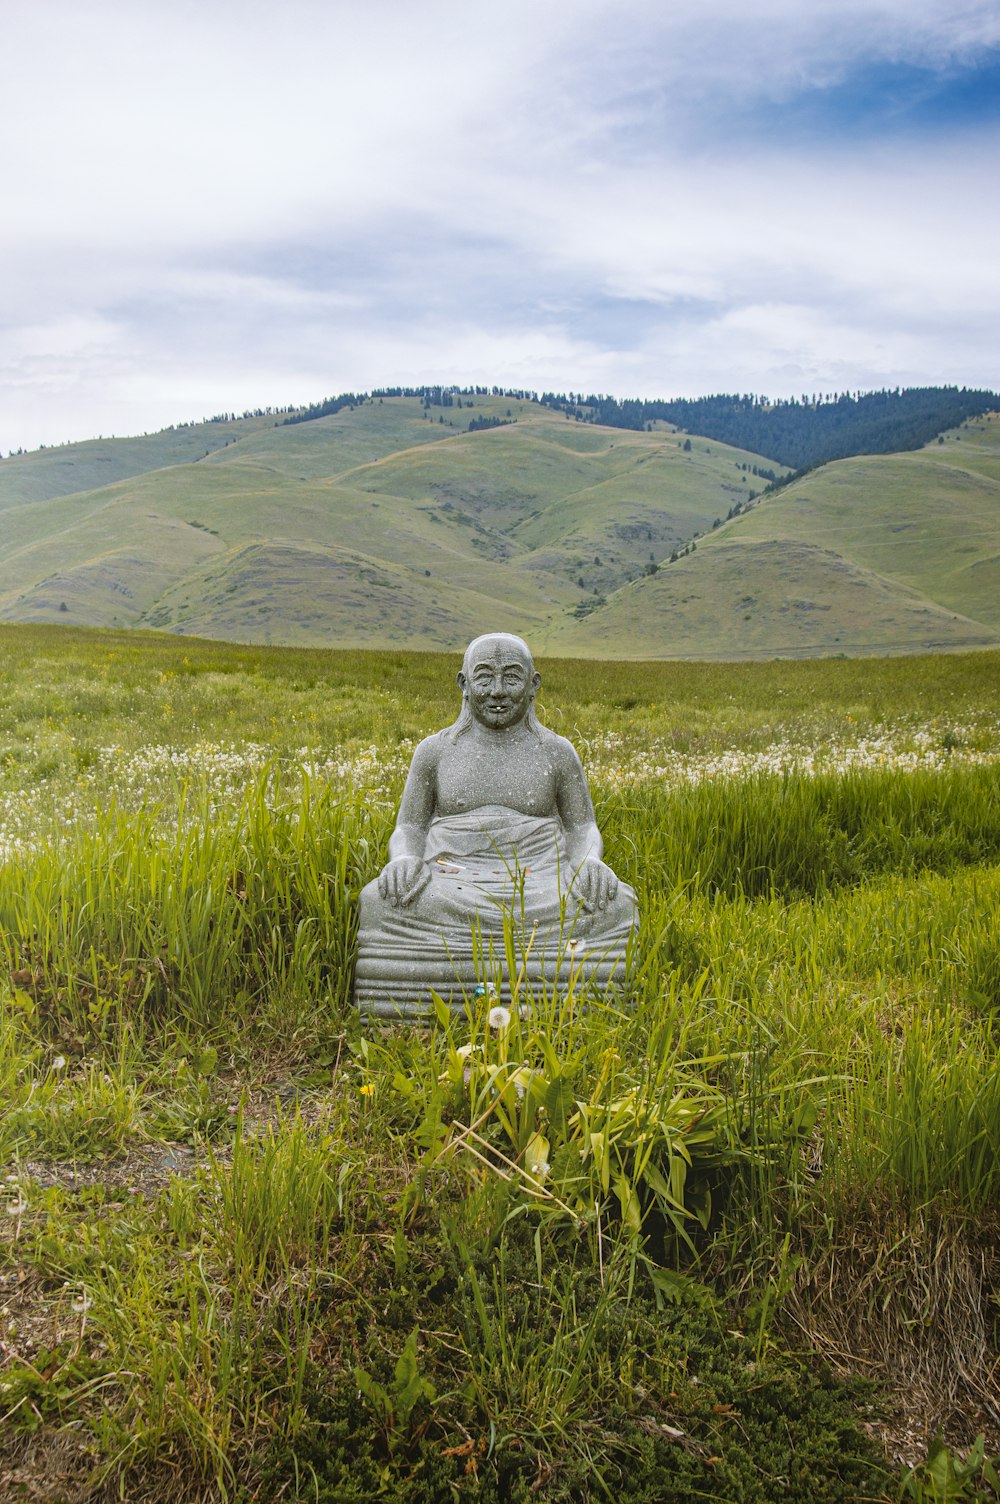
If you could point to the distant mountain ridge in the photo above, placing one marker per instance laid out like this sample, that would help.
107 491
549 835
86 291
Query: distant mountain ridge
62 469
798 433
414 517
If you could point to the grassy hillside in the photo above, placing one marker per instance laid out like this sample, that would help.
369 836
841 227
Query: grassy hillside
356 436
390 523
929 520
383 523
773 597
875 554
69 468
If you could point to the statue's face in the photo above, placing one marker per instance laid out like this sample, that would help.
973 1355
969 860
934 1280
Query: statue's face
500 681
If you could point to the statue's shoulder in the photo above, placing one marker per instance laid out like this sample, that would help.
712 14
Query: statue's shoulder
427 752
564 750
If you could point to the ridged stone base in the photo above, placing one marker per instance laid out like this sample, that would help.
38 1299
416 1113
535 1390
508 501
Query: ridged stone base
404 987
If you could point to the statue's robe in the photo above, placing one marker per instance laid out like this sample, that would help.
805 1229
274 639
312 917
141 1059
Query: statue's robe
500 888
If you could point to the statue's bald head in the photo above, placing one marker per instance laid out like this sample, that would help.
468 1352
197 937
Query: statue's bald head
492 643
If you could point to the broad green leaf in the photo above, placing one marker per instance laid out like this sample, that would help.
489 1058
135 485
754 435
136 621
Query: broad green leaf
654 1179
206 1060
602 1160
559 1103
699 1201
678 1179
536 1157
631 1213
802 1121
668 1285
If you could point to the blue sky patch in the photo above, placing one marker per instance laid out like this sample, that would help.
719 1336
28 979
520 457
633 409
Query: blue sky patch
888 99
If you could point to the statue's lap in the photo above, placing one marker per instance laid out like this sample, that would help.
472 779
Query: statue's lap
498 878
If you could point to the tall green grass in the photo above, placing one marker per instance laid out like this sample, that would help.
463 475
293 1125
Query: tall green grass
188 919
801 834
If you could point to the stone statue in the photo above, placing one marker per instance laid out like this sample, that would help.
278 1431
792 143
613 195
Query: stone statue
495 822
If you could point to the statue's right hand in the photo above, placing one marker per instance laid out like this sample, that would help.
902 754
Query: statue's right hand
403 880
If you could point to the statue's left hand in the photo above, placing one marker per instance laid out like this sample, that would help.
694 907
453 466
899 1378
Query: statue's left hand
403 880
596 885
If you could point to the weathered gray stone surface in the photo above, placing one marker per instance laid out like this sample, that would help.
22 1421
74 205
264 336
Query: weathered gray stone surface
495 846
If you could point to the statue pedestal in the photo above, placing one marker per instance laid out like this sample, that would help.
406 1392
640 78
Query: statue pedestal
500 900
401 987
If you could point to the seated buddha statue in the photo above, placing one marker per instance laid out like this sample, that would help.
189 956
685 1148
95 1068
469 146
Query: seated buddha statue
496 854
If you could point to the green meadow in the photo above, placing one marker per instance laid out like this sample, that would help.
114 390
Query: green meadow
727 1232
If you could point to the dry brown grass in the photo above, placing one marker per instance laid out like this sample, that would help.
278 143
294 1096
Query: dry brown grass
914 1303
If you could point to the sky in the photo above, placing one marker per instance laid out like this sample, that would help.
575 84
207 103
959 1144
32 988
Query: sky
215 206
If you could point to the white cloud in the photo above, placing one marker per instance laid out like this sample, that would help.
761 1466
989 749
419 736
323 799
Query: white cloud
223 205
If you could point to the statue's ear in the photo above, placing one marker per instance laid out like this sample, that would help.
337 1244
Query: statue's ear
536 679
461 681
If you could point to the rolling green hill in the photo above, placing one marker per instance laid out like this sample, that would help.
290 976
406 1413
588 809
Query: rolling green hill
875 554
930 519
59 471
390 523
384 523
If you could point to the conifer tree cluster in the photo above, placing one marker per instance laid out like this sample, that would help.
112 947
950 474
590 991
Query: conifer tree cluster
798 432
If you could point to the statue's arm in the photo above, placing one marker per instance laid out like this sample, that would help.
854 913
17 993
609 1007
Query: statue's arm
406 874
593 880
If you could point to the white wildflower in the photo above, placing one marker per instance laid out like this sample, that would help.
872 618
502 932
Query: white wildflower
499 1019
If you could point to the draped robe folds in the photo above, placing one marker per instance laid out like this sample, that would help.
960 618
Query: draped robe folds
488 866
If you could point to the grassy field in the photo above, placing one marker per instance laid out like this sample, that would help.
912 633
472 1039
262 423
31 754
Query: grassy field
944 505
728 1233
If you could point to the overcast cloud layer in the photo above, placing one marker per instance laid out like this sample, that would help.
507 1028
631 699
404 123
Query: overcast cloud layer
212 205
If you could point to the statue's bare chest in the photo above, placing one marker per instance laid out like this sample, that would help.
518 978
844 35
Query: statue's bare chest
520 775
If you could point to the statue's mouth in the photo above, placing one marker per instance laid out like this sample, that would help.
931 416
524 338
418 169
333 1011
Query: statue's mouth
500 709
